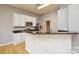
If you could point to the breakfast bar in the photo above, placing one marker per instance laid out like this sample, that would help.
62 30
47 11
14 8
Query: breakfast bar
56 42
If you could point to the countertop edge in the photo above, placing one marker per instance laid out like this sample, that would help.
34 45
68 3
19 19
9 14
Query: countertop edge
55 33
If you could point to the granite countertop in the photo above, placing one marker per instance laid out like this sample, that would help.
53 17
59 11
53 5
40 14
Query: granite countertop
22 31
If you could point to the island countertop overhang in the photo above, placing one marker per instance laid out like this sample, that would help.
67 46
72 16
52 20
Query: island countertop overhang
55 33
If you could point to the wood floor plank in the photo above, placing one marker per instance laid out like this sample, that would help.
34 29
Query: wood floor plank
13 49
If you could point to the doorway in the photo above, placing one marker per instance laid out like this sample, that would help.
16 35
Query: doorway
47 26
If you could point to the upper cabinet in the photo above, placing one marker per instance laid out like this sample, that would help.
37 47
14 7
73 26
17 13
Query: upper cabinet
23 17
63 19
31 19
19 19
68 18
73 17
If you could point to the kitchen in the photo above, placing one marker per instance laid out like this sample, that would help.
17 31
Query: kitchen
49 32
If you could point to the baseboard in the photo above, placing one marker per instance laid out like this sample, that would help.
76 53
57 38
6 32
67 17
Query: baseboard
28 51
6 44
16 43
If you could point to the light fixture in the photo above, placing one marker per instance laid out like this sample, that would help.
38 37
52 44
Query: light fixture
42 6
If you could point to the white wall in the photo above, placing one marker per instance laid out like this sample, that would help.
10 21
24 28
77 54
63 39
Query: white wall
63 18
6 19
53 18
6 22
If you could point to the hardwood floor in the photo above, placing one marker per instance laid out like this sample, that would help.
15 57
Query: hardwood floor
13 49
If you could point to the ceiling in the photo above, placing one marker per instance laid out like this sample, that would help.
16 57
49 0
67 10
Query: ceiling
33 8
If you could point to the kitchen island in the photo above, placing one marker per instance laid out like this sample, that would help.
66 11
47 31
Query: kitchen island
55 43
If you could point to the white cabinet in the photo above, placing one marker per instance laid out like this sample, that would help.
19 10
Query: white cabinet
19 19
16 19
22 21
31 19
68 18
18 37
63 19
48 43
73 17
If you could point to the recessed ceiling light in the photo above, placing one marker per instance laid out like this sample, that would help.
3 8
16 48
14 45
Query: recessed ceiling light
42 6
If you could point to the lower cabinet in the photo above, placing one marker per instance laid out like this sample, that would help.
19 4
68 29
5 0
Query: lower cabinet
18 37
37 44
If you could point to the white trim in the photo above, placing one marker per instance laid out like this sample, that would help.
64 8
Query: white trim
16 43
6 43
28 51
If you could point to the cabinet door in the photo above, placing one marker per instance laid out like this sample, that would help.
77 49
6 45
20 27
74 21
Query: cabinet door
22 37
63 19
73 17
19 19
27 18
22 20
33 20
16 19
17 37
